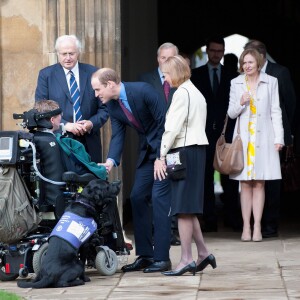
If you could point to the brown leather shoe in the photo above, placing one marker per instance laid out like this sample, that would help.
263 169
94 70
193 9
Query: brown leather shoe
139 264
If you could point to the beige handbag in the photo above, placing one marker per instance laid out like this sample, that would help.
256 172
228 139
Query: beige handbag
229 157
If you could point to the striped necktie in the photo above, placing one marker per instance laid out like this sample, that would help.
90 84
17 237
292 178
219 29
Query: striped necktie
75 96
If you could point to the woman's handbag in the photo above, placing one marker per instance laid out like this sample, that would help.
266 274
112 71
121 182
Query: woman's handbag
176 164
176 158
290 169
229 158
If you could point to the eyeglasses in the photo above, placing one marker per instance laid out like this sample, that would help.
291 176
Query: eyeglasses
215 50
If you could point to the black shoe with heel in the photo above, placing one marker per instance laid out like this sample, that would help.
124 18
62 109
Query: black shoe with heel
188 268
209 260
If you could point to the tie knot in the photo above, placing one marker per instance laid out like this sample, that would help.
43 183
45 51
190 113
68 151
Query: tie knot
71 73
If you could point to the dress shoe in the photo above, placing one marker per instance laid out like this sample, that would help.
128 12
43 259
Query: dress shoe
188 268
257 236
209 260
158 266
246 235
139 264
175 241
269 232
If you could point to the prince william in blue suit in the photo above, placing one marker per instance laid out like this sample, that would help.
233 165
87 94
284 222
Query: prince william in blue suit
137 104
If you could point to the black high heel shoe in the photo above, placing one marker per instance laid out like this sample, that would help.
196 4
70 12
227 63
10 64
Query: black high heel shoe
188 268
209 260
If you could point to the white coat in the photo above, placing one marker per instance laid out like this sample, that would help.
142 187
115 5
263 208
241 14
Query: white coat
177 133
269 129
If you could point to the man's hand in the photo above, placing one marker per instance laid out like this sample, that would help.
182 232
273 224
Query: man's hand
88 125
108 165
76 128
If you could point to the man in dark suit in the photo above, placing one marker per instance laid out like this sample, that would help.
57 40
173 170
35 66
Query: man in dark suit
54 83
157 80
288 100
137 104
213 81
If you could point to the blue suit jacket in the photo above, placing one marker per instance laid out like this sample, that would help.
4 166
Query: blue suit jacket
52 84
149 111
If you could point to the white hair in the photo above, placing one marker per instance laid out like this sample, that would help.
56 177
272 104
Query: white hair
167 46
64 38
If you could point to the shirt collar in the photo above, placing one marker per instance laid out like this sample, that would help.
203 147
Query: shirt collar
75 70
161 75
123 92
210 67
263 69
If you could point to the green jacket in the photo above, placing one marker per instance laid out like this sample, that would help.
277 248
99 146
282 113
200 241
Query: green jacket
74 148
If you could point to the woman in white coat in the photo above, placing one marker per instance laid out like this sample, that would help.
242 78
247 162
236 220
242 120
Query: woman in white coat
254 98
185 128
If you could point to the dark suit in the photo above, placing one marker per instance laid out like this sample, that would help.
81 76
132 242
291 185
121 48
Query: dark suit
216 112
52 85
154 79
149 111
288 101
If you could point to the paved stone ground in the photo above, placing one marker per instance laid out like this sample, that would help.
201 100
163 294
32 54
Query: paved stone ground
266 270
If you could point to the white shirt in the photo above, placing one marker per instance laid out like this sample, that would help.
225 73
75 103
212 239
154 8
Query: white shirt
75 71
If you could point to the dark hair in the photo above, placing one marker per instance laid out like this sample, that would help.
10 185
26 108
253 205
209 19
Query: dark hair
258 45
215 39
231 61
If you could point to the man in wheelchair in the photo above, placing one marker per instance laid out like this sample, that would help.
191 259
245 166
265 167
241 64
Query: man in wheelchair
63 168
58 154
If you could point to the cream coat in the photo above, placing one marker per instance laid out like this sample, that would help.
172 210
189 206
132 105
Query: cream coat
269 129
176 119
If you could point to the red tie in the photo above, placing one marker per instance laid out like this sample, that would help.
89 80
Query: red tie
129 115
166 87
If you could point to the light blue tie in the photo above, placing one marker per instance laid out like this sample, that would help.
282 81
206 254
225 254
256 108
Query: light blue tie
75 96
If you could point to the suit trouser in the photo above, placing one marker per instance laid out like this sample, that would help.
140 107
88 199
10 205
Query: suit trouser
151 199
271 212
209 207
232 209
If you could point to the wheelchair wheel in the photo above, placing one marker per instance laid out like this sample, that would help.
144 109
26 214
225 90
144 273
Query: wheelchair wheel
106 263
38 257
6 276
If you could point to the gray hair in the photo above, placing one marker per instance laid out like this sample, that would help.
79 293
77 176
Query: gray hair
64 38
167 46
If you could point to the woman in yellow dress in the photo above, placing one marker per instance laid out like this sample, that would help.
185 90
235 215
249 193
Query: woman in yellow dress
254 98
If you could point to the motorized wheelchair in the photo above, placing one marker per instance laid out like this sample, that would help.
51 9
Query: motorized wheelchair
105 249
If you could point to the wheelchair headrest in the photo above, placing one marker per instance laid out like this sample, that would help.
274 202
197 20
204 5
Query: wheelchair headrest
33 119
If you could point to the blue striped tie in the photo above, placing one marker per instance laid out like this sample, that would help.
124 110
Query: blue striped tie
75 96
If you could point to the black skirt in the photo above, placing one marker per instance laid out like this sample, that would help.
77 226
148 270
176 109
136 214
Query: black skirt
188 194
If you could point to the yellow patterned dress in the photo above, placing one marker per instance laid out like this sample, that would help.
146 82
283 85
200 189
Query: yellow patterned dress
252 130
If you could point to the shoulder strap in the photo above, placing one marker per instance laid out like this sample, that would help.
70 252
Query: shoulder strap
225 124
187 118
